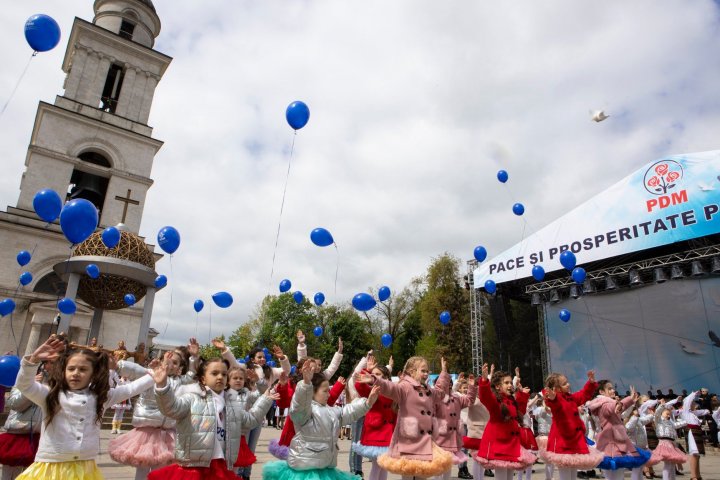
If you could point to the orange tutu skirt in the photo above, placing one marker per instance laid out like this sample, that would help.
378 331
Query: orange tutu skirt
441 462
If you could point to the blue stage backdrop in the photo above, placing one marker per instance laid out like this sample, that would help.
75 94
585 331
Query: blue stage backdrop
656 336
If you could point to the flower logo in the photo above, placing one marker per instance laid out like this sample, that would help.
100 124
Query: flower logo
662 177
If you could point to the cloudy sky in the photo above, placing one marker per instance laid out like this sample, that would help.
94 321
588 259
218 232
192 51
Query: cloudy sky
414 104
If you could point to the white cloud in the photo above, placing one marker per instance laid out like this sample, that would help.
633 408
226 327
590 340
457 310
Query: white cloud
414 107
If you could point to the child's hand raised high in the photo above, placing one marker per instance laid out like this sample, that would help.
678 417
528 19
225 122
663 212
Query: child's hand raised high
277 351
160 374
307 372
219 344
48 351
374 392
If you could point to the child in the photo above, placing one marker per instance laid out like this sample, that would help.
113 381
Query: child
666 450
73 402
694 442
119 409
527 436
245 398
209 423
477 418
313 451
151 443
543 415
413 451
20 442
635 426
377 427
500 447
447 413
612 438
567 448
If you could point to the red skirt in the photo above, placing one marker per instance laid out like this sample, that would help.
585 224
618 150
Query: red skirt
245 456
18 449
527 439
216 470
470 443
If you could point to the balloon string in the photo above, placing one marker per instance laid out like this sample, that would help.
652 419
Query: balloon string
197 319
172 288
337 267
210 326
282 206
22 75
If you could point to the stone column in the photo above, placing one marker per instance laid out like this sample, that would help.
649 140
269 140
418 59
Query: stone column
71 293
147 99
83 336
34 338
74 76
145 322
95 324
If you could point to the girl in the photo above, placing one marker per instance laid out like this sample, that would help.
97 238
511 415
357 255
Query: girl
244 398
209 423
447 413
313 451
73 402
151 443
377 427
666 450
477 418
694 442
527 436
567 448
635 426
612 438
500 447
119 409
20 442
413 451
543 415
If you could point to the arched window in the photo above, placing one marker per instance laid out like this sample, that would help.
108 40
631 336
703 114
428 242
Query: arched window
87 185
95 158
51 284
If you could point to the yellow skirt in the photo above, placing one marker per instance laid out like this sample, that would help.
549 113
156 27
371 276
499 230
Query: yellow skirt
79 470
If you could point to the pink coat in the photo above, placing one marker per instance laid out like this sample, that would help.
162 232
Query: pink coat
447 411
416 429
613 439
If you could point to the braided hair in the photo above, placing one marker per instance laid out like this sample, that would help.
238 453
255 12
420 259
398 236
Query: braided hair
495 381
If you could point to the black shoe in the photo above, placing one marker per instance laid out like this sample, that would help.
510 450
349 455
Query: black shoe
582 474
679 473
359 474
591 474
489 473
464 473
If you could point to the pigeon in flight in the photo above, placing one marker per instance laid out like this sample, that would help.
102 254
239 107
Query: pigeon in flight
715 339
598 115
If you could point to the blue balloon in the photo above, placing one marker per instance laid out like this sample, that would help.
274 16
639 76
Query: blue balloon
78 220
297 115
363 302
480 254
578 275
169 239
222 299
67 306
242 360
317 331
25 278
502 176
321 237
198 305
298 297
445 317
9 368
271 363
47 204
538 273
7 306
111 237
564 315
384 293
518 209
293 369
319 298
386 340
92 270
42 33
160 281
23 257
568 260
285 285
490 287
129 299
266 351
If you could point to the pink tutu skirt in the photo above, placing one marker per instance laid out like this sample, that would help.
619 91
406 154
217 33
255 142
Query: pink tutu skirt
144 447
459 457
667 451
525 460
580 461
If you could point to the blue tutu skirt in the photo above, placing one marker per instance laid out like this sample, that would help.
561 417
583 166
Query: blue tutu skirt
626 461
280 470
369 452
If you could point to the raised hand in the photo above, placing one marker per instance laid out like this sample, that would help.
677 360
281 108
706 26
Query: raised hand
443 365
484 371
342 380
550 394
492 370
364 378
193 347
283 379
340 345
277 351
307 372
271 393
159 374
371 363
300 337
517 372
48 351
153 363
374 392
391 362
251 374
218 343
471 379
591 376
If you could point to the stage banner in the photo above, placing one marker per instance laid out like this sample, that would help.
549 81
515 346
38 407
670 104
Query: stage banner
666 201
659 336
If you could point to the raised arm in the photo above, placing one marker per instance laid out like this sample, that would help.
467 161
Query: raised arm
301 405
169 404
26 383
588 392
358 407
129 390
301 346
336 390
227 353
284 362
335 362
254 417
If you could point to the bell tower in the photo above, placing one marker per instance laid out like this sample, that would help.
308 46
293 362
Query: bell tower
92 142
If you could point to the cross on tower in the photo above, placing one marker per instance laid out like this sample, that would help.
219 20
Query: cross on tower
127 201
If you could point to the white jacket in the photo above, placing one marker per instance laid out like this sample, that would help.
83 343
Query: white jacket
73 433
263 383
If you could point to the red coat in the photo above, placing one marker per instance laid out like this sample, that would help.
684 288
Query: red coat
567 432
286 393
379 421
501 438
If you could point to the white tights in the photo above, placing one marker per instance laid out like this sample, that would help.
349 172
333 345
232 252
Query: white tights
549 470
141 473
377 472
567 473
478 472
444 476
635 474
527 472
668 471
503 474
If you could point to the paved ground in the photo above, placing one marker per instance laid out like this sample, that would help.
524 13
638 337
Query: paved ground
710 464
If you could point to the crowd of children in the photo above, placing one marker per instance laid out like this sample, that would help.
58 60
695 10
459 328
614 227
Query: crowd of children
198 418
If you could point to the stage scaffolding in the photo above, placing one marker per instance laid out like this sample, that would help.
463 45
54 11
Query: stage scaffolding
477 303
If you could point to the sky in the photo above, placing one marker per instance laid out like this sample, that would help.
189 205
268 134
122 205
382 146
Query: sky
414 105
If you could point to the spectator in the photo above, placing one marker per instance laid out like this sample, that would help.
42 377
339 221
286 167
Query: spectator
704 400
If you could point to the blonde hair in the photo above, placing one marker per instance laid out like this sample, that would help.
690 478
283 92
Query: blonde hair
412 364
553 380
236 369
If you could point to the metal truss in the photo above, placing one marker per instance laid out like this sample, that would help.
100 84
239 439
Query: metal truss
476 306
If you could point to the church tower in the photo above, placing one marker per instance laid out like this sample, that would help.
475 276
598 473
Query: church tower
94 143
